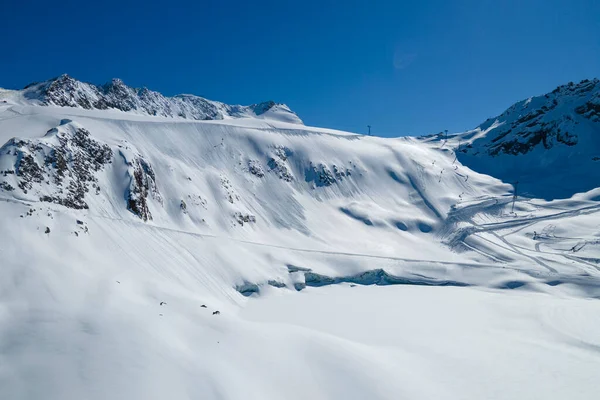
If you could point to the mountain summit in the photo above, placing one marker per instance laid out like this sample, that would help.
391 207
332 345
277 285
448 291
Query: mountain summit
65 91
550 144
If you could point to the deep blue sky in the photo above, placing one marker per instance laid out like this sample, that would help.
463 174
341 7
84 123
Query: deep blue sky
404 67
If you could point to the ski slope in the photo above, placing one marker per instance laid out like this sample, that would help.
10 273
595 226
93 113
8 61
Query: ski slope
291 232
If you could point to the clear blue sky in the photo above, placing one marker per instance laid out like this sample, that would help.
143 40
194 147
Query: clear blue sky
404 67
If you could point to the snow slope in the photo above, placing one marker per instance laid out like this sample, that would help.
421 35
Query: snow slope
106 214
446 343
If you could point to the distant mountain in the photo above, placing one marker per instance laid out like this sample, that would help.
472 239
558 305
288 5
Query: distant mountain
64 91
549 143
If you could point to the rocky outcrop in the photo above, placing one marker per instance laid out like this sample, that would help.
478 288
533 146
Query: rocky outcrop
547 134
142 187
322 175
591 108
255 168
242 218
59 168
547 143
65 165
545 121
277 163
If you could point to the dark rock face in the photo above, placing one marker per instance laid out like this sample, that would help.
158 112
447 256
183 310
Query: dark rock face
262 108
183 206
61 167
27 168
64 91
591 109
322 175
255 168
241 218
547 134
142 185
277 163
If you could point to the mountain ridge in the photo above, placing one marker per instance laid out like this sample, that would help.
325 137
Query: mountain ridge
550 143
65 91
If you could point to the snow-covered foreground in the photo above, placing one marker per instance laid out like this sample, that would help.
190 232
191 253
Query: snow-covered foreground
339 342
414 342
118 227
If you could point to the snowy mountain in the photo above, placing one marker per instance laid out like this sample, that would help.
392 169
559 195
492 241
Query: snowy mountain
148 254
65 91
550 144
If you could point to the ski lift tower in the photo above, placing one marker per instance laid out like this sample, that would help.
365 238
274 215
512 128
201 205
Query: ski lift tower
516 184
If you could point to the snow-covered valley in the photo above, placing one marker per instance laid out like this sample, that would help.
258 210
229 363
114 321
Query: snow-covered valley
121 219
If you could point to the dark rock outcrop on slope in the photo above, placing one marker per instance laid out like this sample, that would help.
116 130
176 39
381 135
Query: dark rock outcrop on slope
66 166
547 121
59 168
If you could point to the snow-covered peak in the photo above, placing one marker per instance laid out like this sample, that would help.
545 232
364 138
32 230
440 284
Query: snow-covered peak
65 91
547 120
549 143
